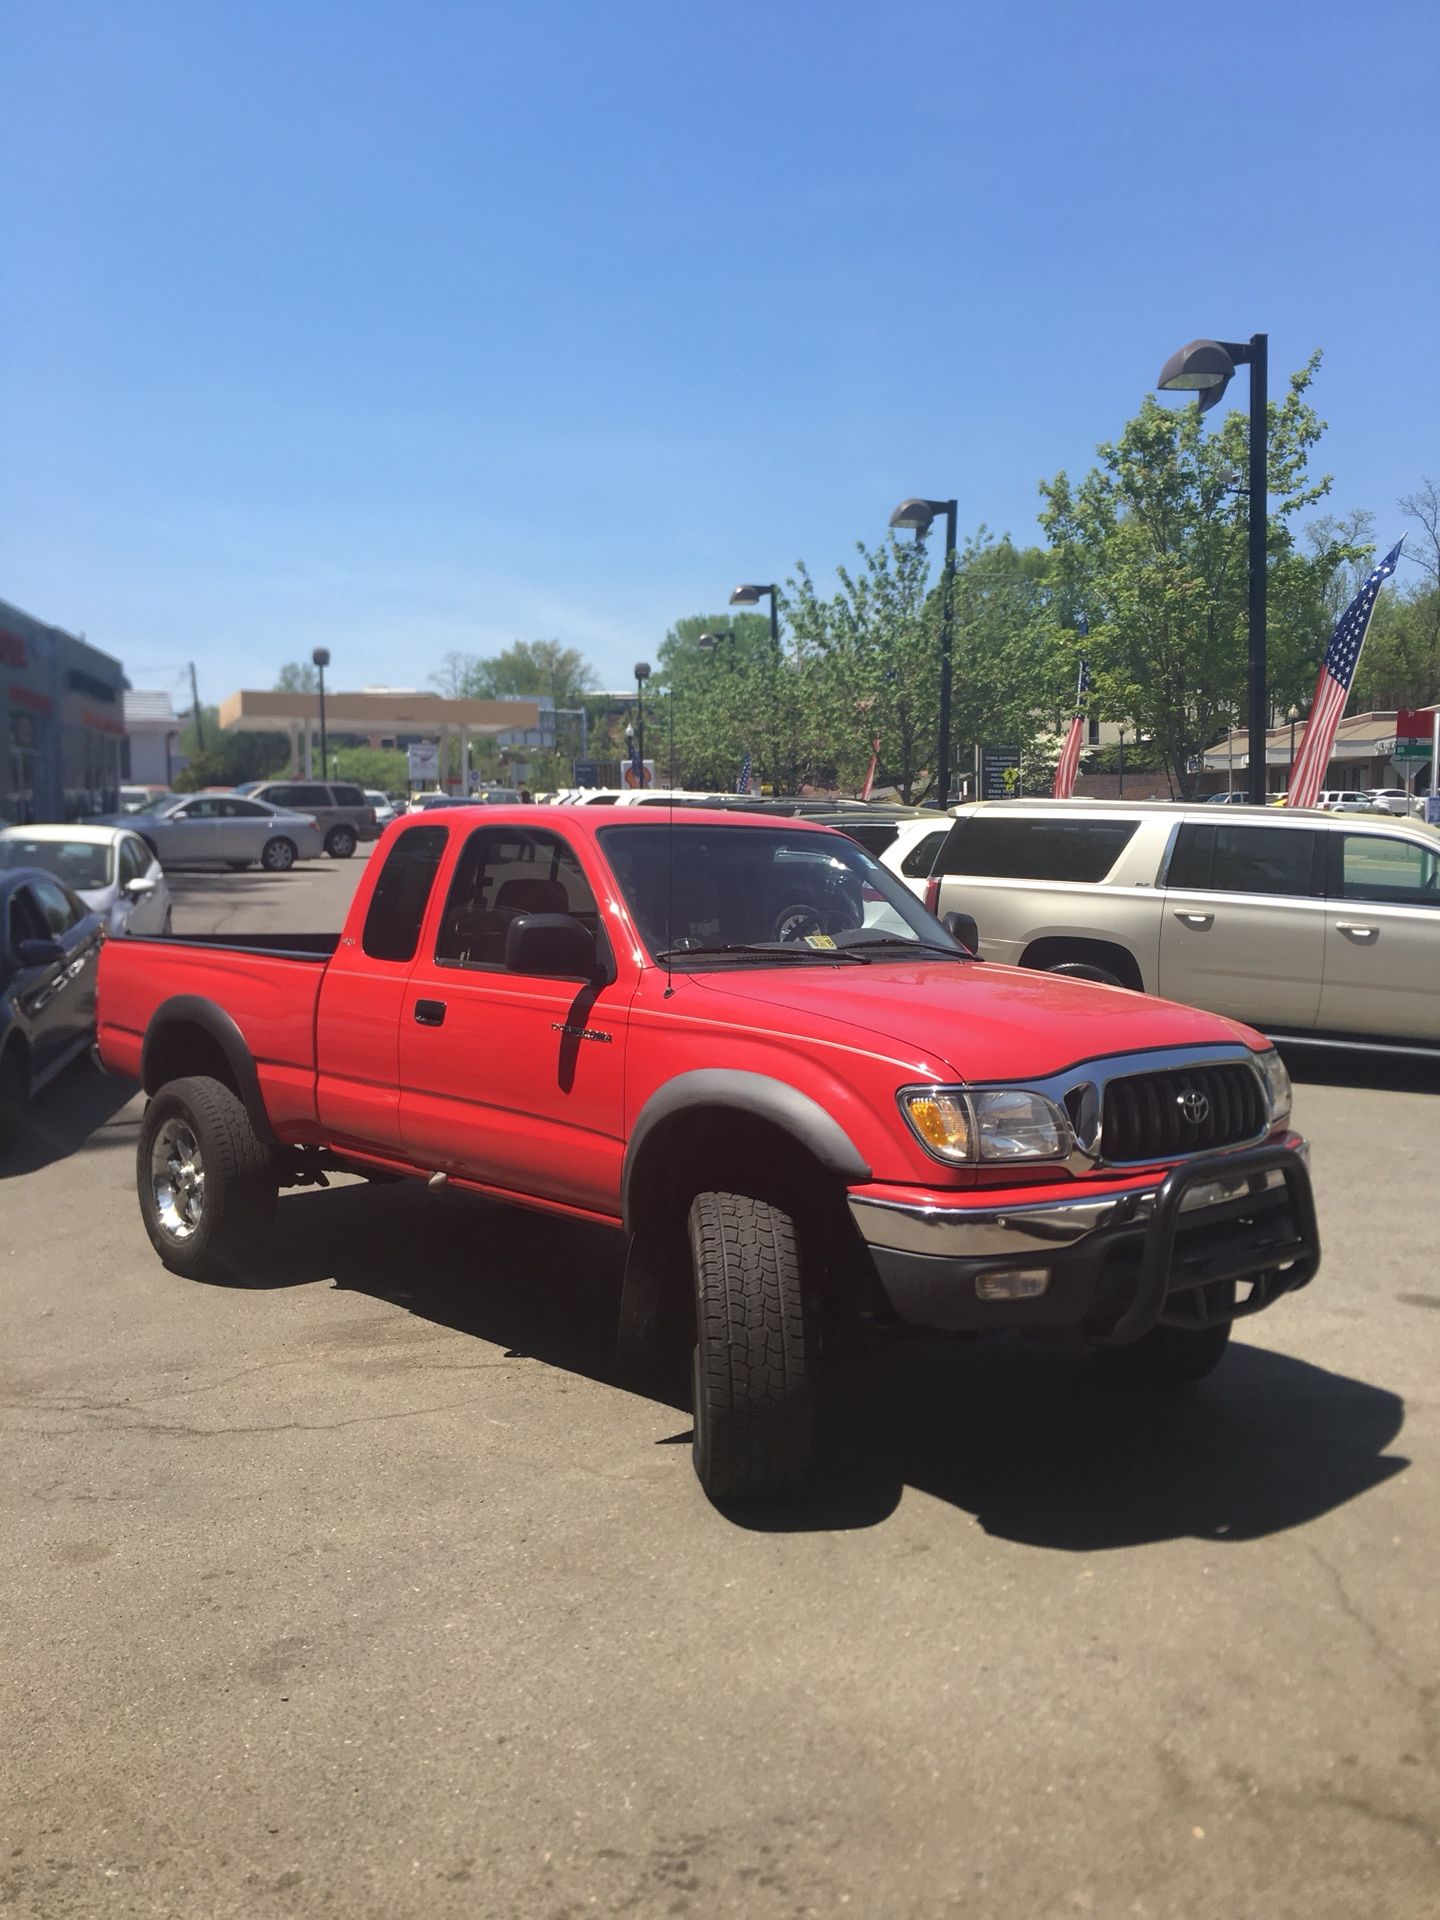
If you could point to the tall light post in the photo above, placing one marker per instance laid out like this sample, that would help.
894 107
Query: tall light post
751 596
321 658
1121 793
1205 368
919 514
642 674
1292 716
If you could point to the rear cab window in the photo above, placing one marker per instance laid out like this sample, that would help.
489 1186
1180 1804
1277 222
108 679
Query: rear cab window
1017 846
503 872
402 893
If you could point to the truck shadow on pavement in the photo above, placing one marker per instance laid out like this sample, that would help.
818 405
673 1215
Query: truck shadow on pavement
1016 1434
81 1108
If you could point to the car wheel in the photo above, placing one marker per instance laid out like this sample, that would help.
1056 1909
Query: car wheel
207 1182
340 843
13 1087
1083 970
754 1362
797 922
278 856
1166 1358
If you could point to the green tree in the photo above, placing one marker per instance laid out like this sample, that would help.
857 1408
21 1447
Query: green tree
297 676
527 667
228 758
1151 547
719 704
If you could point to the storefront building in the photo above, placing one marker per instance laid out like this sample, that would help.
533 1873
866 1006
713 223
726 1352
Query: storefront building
62 723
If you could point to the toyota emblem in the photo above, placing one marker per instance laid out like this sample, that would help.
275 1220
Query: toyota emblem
1194 1105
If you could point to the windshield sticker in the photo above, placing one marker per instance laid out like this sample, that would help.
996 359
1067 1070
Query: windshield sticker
818 940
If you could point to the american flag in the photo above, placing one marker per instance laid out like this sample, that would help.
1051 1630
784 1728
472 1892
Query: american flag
1332 690
1070 754
742 785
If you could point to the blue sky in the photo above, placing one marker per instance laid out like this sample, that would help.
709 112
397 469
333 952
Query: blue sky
403 328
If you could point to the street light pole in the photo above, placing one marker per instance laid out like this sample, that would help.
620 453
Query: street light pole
321 658
642 674
1292 716
1205 368
919 514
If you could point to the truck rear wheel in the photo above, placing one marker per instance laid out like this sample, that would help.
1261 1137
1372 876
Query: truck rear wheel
207 1182
755 1352
1166 1358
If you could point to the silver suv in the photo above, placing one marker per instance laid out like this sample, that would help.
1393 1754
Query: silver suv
1301 923
341 811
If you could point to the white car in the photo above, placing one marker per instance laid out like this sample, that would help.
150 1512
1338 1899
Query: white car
384 811
112 870
911 854
1391 800
1346 801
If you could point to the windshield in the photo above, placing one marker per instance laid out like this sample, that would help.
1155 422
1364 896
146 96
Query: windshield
755 896
82 864
162 803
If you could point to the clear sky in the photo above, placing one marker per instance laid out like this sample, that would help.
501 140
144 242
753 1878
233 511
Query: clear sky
409 327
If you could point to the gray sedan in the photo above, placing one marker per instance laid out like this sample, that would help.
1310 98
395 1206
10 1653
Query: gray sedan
224 829
110 869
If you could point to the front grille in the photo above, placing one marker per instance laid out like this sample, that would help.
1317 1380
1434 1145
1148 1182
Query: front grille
1145 1114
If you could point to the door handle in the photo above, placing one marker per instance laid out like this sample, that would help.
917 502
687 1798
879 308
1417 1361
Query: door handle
1197 920
430 1013
1354 932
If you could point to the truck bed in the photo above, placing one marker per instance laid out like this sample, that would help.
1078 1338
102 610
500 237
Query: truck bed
285 946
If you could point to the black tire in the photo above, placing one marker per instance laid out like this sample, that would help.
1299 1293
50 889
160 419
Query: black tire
755 1352
225 1226
341 842
797 922
14 1087
1166 1359
1084 970
278 855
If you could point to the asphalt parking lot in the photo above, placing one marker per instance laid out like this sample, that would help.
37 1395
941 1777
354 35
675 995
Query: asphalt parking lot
369 1593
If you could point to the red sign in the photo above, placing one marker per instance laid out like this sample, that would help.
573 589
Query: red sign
23 697
1412 723
102 723
13 650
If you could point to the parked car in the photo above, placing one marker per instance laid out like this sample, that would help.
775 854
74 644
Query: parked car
1224 800
341 811
110 868
223 829
1391 800
1344 801
911 853
688 1029
1299 923
133 798
49 961
384 808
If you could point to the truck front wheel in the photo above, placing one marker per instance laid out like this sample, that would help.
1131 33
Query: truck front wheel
1166 1358
755 1350
207 1182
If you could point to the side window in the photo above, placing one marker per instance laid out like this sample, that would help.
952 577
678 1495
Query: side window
275 796
303 797
921 857
505 871
348 796
1013 846
1372 866
199 810
26 922
134 861
1241 858
402 893
59 909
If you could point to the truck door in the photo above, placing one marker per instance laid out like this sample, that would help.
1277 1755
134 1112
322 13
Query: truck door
357 1027
1243 931
511 1079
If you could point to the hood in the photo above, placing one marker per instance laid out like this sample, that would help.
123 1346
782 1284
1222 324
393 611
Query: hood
986 1022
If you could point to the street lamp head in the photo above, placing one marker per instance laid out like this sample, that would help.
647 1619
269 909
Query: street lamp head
321 656
914 515
1293 715
708 642
642 670
1204 368
749 596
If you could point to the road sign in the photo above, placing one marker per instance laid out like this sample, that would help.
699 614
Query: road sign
999 773
423 763
1414 723
1411 750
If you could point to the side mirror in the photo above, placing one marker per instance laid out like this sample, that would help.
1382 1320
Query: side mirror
962 927
552 944
137 889
40 953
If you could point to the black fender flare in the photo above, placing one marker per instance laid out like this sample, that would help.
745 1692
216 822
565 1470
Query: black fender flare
754 1096
191 1010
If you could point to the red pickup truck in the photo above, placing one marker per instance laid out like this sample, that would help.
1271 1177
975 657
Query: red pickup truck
747 1046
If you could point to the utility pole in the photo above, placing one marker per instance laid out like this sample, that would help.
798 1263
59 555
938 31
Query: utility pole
195 710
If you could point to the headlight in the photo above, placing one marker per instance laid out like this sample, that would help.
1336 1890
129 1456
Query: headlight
1277 1084
968 1124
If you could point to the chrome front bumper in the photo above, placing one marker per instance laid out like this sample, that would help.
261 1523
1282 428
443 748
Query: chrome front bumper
1110 1259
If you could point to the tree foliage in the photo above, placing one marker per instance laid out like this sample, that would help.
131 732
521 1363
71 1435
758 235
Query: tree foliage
527 667
297 676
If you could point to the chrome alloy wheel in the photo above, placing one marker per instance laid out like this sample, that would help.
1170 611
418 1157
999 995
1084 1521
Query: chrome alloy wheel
177 1179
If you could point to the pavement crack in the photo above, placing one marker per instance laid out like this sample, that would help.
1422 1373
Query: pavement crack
175 1429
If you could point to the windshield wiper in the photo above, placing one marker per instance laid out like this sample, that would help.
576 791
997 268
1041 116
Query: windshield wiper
786 950
910 946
